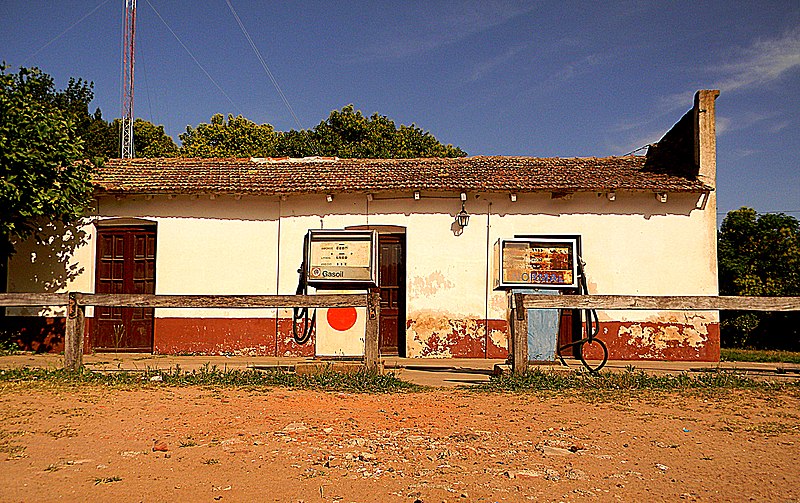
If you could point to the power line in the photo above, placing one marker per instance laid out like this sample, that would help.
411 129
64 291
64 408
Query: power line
264 64
65 31
195 59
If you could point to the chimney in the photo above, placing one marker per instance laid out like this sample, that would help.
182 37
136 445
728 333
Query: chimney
705 141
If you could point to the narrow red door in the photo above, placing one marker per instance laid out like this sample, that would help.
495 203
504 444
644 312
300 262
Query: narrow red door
392 283
126 263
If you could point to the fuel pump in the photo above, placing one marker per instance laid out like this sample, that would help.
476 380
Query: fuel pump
336 262
546 265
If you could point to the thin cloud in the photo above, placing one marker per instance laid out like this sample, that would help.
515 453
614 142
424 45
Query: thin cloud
444 24
567 72
764 62
486 67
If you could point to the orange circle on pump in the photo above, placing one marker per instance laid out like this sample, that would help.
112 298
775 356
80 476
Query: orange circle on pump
342 318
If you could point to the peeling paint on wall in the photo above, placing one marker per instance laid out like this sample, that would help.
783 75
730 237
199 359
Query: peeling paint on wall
436 335
659 340
427 286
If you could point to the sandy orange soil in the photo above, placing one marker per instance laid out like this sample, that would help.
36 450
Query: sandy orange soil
159 443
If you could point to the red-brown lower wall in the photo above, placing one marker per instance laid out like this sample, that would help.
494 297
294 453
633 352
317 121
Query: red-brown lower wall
658 341
434 337
454 339
240 336
440 337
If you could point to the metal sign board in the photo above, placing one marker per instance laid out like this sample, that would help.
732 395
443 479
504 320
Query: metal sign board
536 263
339 257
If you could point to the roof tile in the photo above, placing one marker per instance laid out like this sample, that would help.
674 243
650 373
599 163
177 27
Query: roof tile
332 175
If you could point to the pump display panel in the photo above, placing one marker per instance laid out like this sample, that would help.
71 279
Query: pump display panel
536 263
341 257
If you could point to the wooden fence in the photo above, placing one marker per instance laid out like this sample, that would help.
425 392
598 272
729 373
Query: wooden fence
76 308
518 320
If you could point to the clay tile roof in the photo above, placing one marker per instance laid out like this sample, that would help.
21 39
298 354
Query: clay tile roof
277 176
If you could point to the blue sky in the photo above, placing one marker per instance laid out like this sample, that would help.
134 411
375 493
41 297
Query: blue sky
495 78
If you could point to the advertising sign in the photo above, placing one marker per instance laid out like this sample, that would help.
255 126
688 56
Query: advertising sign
341 257
536 263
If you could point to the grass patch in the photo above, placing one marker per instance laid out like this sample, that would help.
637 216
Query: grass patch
627 380
210 375
759 355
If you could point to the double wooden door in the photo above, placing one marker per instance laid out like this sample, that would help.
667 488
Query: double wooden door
126 263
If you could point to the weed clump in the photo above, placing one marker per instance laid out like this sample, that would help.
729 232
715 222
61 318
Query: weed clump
210 375
628 380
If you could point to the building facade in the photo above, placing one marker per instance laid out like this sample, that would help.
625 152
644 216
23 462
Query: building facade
646 225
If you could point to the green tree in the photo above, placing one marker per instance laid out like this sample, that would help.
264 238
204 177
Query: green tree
346 133
759 255
236 137
350 134
44 179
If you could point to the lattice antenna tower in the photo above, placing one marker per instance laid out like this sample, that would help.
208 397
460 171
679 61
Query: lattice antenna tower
129 45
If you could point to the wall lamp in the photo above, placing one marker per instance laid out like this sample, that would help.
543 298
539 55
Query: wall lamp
329 198
462 219
661 197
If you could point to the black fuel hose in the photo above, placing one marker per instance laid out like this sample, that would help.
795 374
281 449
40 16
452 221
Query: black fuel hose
591 325
301 313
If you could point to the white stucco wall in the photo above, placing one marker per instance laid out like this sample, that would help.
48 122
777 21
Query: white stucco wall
250 245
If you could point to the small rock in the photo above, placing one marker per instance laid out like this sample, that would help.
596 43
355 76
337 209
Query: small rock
661 467
159 446
157 378
555 451
528 474
292 427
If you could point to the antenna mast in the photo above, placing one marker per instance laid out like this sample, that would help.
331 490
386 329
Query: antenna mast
129 32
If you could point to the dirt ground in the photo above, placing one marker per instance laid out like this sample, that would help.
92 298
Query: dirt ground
160 443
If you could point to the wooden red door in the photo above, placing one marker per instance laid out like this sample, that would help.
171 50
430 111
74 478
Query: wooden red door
126 263
392 284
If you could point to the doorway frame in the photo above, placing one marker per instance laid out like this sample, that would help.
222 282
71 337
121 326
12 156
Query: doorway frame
125 224
401 233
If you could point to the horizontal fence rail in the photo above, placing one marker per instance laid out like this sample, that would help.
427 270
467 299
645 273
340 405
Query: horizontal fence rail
33 299
652 302
221 301
76 311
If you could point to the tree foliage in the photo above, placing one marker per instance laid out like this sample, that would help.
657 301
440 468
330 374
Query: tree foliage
346 133
43 177
349 134
236 137
759 255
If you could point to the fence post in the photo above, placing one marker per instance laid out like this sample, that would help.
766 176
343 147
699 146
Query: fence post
371 355
73 334
519 343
